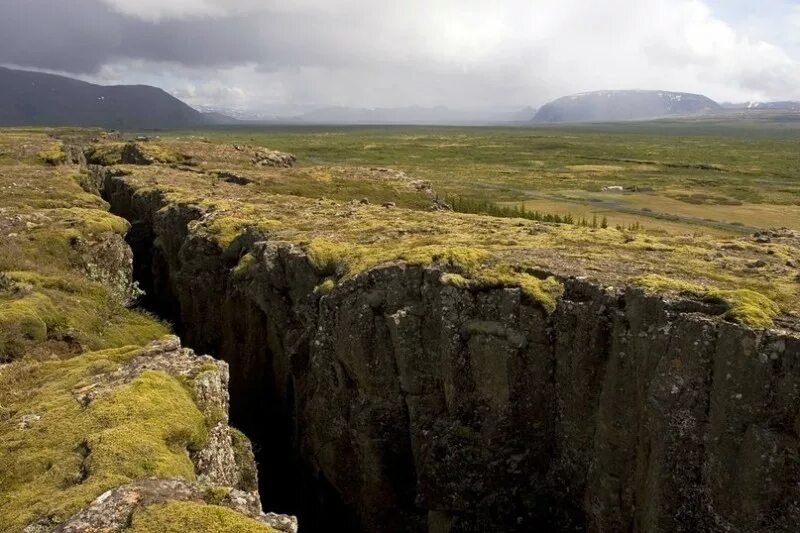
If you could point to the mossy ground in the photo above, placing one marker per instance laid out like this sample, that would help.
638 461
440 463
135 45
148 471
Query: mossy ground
744 305
113 153
47 221
744 170
60 328
72 454
54 154
53 319
345 237
183 517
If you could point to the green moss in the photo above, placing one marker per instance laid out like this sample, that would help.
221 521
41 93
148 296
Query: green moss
160 153
326 286
466 258
226 228
80 221
73 454
545 292
105 153
68 308
114 153
28 314
147 427
54 155
244 264
23 320
215 495
745 306
749 307
243 453
331 257
126 327
479 269
327 256
183 517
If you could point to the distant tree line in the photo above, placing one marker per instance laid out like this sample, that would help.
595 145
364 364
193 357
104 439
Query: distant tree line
463 204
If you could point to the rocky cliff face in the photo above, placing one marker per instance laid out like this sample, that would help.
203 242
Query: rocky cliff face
415 405
224 465
107 423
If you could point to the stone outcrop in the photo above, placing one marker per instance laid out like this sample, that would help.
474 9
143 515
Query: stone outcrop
224 467
273 158
113 510
414 405
107 259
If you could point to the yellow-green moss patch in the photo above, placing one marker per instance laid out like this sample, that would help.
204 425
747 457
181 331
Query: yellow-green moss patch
543 291
745 306
68 309
245 263
69 455
326 286
187 517
106 153
114 153
226 228
53 155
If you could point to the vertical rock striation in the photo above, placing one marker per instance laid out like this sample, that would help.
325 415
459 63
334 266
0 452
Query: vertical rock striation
412 405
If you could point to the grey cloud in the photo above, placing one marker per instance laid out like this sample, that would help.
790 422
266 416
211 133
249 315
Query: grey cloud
80 36
409 52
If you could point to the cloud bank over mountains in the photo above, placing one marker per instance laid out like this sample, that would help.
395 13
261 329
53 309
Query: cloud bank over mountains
360 53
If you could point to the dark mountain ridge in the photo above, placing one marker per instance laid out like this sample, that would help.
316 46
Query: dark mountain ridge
38 99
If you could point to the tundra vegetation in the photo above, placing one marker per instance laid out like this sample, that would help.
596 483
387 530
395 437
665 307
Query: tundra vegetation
529 213
65 320
331 204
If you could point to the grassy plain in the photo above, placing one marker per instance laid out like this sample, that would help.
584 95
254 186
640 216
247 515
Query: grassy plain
66 326
716 176
330 211
63 320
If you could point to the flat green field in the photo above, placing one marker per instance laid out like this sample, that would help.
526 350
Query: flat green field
728 175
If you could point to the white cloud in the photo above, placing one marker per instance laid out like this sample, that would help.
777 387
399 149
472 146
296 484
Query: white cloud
211 92
429 52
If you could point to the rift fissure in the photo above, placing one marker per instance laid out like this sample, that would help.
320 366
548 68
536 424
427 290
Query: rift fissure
398 403
285 484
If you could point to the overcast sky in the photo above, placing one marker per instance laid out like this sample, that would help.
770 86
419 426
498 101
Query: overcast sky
384 53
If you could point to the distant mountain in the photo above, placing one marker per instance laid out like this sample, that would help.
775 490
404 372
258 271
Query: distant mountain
525 114
37 99
609 106
776 106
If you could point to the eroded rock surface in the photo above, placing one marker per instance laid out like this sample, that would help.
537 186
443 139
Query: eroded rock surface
114 510
224 466
422 406
273 158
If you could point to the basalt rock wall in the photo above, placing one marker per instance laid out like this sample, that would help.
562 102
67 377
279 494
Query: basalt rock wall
396 402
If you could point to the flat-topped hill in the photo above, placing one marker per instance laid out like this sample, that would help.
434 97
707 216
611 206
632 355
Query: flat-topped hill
610 106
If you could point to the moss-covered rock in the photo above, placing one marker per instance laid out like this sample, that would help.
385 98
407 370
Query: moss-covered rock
744 306
54 155
131 153
93 397
180 517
